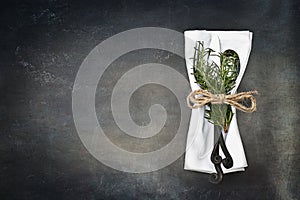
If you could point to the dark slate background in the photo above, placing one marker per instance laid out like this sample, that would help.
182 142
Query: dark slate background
43 43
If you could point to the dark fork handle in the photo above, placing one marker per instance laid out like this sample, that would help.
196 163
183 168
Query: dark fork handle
217 160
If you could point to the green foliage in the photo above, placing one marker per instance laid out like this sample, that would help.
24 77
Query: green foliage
216 79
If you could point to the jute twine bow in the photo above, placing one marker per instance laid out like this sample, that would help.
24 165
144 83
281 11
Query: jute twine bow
199 98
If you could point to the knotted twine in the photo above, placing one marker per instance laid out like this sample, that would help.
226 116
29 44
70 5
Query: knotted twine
199 98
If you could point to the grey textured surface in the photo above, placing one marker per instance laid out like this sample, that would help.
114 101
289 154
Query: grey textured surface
43 44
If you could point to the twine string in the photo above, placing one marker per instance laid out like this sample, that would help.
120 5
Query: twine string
199 98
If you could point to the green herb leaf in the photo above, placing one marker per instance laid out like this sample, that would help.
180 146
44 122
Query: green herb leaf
216 79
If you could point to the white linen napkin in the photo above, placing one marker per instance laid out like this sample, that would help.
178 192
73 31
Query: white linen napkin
200 139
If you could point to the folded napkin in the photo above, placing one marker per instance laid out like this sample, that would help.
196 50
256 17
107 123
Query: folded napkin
200 139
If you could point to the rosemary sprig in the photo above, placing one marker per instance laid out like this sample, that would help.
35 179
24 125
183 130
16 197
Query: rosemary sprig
216 79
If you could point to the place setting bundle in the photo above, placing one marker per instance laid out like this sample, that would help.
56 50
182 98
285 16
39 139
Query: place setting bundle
216 62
